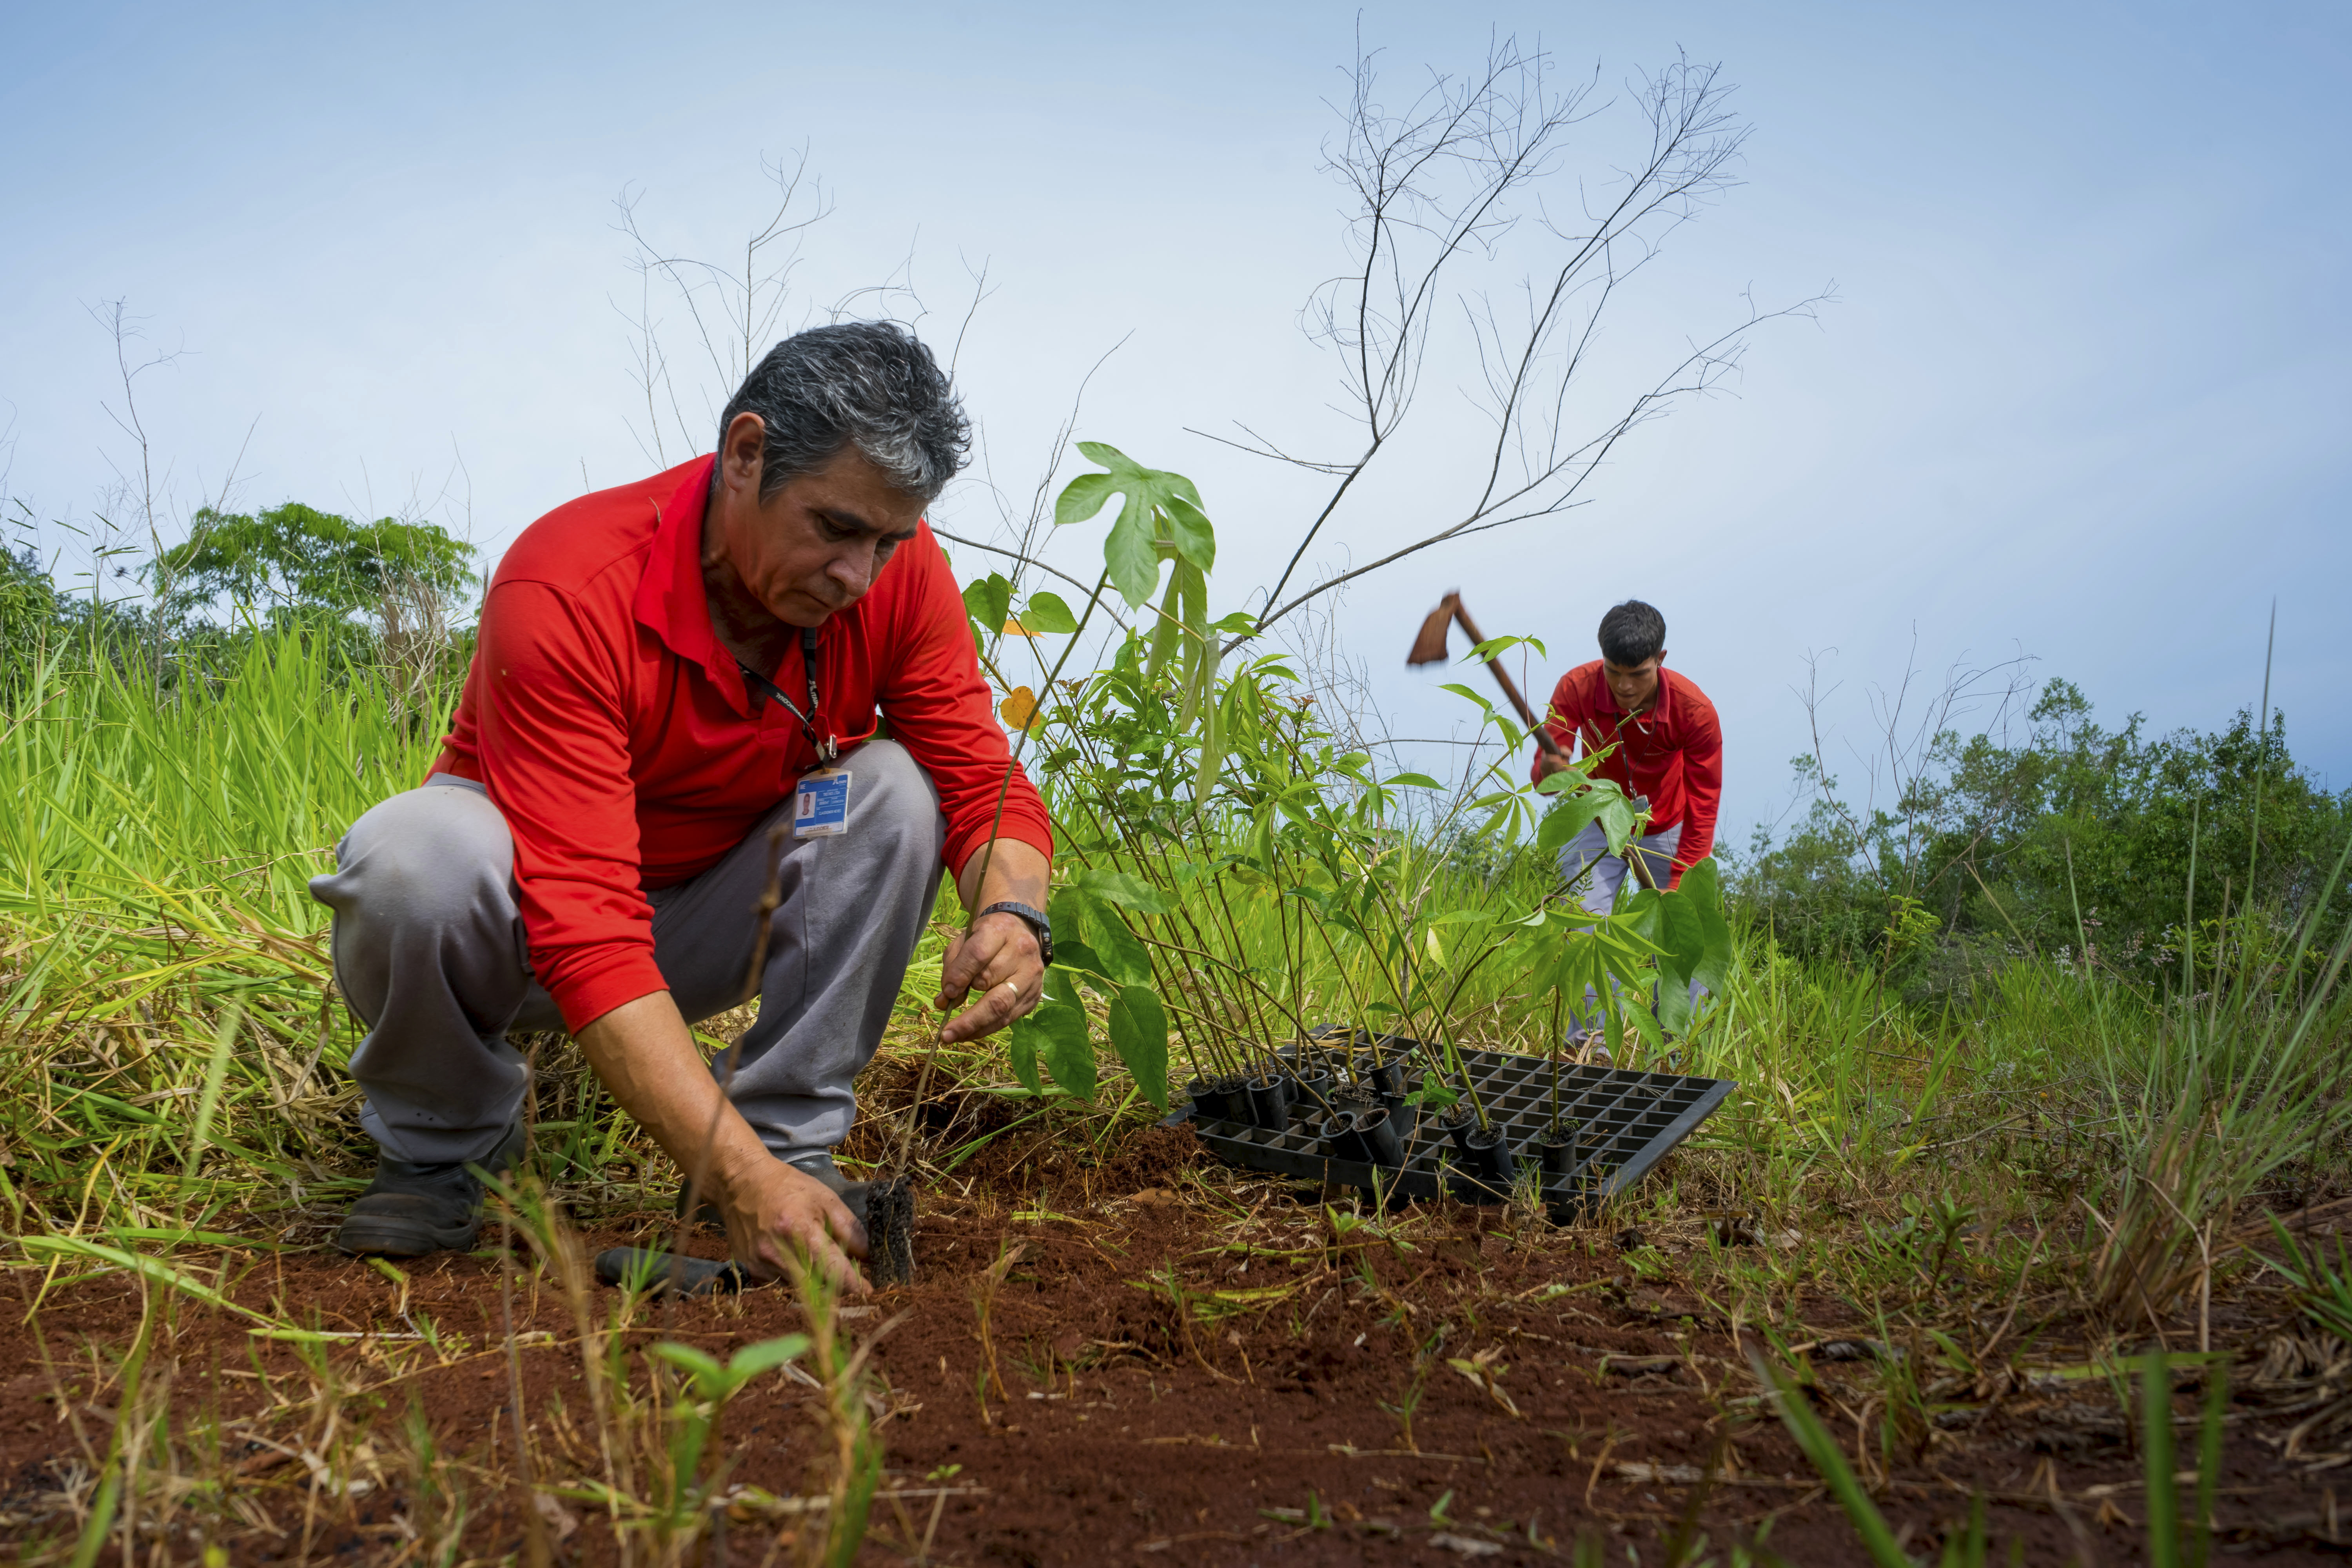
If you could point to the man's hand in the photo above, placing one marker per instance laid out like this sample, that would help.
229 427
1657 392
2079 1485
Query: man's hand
999 958
645 1056
1551 762
771 1206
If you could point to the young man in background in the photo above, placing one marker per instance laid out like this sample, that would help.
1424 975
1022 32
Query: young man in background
1661 746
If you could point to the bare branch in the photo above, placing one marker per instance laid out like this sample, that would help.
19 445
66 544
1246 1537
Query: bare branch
1553 490
1457 179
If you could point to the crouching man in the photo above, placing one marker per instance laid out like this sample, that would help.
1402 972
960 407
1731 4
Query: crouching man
664 672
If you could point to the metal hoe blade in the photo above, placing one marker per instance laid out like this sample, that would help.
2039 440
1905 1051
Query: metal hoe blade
1430 646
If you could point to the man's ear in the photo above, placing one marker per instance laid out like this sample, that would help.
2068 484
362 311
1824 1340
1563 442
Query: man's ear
1662 659
741 451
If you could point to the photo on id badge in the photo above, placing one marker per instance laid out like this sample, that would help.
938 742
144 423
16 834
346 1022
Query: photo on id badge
821 804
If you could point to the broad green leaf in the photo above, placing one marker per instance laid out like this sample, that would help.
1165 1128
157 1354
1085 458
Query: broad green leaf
1702 886
1645 1024
1261 839
1564 821
1134 564
1059 1033
1617 819
1072 957
1675 1008
1131 552
1576 775
1411 780
1021 1053
1187 527
1121 467
1082 497
1122 957
1118 888
989 600
1062 913
1047 616
1683 935
1138 1032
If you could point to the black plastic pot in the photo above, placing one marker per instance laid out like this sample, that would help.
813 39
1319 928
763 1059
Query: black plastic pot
1488 1164
1270 1101
1388 1081
1314 1085
1210 1101
1342 1141
1559 1151
1378 1129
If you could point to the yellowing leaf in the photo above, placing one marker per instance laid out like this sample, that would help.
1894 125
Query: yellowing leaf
1019 709
1013 627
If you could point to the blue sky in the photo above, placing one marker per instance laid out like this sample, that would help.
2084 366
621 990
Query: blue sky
2080 398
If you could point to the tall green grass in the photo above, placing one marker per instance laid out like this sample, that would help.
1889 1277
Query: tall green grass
160 953
153 866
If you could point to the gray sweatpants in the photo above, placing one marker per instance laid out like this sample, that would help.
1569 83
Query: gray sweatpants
1589 851
430 952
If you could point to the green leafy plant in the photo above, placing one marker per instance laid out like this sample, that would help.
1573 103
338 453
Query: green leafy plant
702 1396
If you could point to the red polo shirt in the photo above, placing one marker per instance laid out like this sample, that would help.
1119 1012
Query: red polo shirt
613 731
1673 753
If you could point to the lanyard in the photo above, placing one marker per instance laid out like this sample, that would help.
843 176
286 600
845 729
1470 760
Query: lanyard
826 748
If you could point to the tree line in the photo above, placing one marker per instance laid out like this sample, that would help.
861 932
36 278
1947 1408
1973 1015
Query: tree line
2160 858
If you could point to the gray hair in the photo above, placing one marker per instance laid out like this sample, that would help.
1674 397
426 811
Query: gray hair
868 384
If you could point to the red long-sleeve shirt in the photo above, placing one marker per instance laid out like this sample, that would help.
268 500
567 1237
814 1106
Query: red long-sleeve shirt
612 728
1673 753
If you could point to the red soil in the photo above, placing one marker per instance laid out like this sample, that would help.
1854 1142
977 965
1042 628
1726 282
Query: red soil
1123 1430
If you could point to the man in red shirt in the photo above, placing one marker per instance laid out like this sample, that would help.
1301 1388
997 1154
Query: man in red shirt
667 676
1663 747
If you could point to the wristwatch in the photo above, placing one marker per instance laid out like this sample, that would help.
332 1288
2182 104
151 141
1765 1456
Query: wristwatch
1033 919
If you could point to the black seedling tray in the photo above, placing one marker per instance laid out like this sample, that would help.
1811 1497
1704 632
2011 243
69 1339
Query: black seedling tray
1624 1122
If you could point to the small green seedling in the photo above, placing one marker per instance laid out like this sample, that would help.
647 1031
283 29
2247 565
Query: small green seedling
709 1387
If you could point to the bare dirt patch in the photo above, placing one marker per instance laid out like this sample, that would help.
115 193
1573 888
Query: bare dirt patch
1178 1365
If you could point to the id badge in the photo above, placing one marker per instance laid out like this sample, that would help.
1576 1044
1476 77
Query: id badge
821 804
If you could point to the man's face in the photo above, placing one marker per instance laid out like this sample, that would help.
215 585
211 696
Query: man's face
815 546
1634 687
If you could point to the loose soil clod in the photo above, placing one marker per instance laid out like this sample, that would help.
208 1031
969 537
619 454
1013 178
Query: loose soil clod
890 1231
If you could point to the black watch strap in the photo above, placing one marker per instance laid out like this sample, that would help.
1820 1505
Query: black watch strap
1035 919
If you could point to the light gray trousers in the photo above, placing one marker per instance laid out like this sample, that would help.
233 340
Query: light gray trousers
1589 851
429 951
